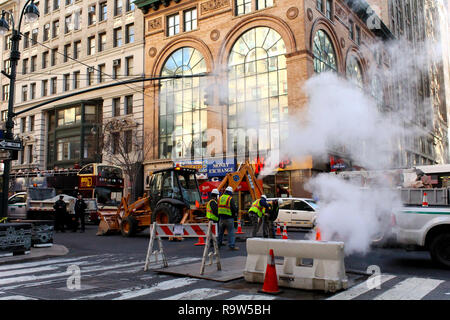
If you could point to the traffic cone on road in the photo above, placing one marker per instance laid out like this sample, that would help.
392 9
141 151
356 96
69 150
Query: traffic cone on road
270 278
278 230
318 234
285 235
201 242
239 228
425 200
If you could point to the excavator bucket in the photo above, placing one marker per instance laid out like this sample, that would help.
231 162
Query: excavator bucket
109 223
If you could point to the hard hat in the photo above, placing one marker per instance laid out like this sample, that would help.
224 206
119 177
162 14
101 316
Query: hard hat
229 189
264 196
215 191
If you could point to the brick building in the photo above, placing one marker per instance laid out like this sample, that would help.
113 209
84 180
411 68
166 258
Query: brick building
261 52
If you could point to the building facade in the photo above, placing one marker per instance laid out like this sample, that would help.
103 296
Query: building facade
424 26
74 46
260 52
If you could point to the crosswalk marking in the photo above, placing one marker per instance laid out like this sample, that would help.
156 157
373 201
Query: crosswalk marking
410 289
197 294
359 289
252 297
65 274
41 263
52 274
166 285
16 297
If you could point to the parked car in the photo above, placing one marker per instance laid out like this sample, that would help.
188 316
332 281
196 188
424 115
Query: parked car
297 212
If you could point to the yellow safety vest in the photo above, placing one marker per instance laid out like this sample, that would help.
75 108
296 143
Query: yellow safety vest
209 213
257 208
224 205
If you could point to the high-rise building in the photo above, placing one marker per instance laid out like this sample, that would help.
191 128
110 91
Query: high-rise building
73 46
422 25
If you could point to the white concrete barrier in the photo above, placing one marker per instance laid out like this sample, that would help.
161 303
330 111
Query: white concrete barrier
307 264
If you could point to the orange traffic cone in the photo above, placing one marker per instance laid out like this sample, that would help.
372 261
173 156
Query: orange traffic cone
285 236
425 200
270 278
201 242
239 229
278 230
318 235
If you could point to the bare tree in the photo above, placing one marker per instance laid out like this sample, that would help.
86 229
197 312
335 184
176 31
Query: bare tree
125 145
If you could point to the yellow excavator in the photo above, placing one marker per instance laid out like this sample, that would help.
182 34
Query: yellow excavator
174 197
246 173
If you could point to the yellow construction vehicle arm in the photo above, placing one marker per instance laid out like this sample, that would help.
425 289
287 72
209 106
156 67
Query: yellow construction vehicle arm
245 171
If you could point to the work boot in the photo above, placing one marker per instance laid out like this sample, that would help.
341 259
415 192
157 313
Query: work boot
234 248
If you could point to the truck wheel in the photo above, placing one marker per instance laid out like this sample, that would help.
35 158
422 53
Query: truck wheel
166 213
128 227
440 249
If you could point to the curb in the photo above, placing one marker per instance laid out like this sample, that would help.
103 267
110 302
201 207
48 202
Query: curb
36 254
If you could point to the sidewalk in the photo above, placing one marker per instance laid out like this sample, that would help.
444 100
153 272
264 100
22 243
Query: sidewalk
36 254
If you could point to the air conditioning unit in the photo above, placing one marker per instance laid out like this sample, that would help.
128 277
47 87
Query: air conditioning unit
91 69
116 62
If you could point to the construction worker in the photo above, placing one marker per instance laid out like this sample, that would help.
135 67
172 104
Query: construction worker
212 207
257 213
271 216
227 214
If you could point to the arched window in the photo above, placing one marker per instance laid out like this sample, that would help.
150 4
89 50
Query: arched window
353 71
182 114
324 54
257 83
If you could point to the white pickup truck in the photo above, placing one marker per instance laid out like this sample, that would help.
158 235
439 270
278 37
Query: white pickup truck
36 203
425 227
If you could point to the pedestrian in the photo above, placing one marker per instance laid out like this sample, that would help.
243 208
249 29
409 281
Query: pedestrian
257 212
227 214
212 207
60 214
80 207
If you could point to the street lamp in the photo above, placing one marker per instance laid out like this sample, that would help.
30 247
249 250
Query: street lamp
31 12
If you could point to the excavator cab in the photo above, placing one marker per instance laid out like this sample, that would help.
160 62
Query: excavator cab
173 192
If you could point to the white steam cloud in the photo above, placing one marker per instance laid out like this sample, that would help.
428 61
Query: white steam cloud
341 116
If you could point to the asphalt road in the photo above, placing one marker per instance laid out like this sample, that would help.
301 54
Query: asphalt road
111 267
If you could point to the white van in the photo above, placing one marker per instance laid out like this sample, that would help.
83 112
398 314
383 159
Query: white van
297 212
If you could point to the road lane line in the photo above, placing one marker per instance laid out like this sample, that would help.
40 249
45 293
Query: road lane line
166 285
410 289
197 294
360 289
